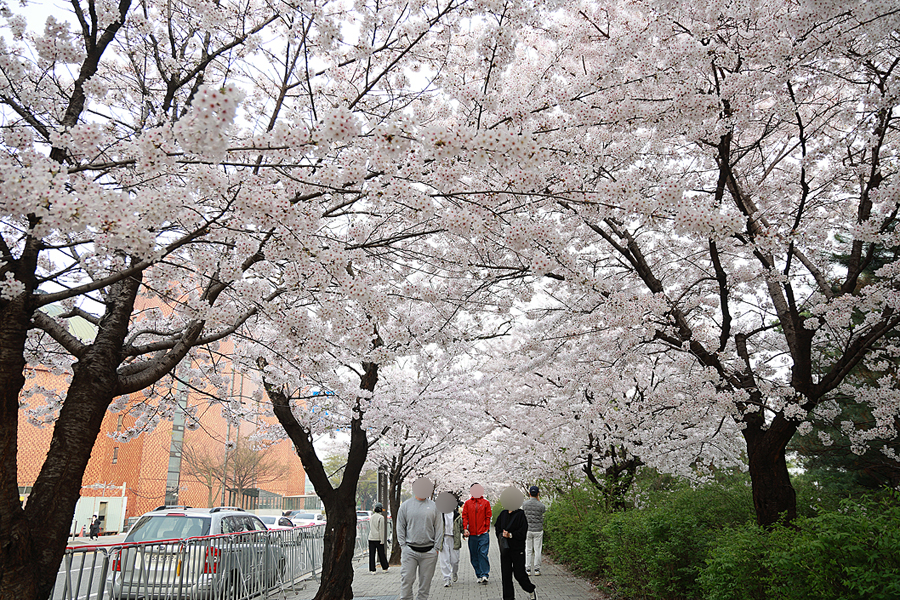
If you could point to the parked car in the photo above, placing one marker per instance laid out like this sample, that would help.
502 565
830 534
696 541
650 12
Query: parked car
307 519
182 552
363 515
275 522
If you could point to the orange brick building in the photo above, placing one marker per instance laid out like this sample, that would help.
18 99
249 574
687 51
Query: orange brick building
126 479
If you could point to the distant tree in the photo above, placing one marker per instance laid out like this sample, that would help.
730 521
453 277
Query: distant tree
204 466
243 467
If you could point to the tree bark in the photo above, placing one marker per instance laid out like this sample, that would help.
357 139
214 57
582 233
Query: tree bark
395 481
340 502
774 497
16 546
33 552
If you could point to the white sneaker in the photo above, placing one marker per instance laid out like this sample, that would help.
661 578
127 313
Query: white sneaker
455 578
446 583
537 572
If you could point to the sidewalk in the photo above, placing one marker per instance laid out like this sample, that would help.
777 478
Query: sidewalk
554 583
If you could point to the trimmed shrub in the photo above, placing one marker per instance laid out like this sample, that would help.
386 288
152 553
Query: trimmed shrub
852 554
573 532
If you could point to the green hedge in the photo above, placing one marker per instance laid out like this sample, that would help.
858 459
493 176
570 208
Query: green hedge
704 544
849 554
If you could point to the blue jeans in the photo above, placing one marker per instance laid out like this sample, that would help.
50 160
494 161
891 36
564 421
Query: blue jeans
478 553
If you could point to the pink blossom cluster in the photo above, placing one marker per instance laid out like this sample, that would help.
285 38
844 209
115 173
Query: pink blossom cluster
203 130
338 124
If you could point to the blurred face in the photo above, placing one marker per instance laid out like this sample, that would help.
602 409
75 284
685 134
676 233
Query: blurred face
511 499
423 488
477 491
446 502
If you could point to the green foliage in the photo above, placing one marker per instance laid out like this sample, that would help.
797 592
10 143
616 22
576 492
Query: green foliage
573 526
659 552
651 553
850 554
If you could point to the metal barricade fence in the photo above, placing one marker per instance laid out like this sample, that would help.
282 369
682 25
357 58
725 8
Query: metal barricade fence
221 567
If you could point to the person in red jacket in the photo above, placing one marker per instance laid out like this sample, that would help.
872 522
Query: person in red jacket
476 518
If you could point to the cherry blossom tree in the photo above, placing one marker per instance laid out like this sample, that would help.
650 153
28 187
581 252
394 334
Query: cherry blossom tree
139 197
704 164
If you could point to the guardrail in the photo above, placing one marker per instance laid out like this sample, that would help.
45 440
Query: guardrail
221 567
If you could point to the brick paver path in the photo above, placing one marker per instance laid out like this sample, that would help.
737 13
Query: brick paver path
554 583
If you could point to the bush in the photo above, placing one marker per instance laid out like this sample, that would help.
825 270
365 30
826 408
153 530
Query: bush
850 554
735 568
573 532
655 553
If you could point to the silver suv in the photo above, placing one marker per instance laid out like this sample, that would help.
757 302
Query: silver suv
183 552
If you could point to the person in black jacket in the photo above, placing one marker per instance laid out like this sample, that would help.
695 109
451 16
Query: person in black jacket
511 528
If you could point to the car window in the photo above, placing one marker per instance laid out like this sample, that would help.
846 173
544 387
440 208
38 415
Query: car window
254 524
304 516
232 525
285 522
268 520
168 527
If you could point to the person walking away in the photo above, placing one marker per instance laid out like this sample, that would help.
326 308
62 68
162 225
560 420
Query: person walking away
534 511
419 534
376 539
511 528
95 527
448 504
476 520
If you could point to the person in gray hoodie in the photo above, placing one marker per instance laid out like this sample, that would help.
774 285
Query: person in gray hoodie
419 533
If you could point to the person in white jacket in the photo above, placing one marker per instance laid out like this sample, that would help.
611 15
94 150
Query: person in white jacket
448 504
377 539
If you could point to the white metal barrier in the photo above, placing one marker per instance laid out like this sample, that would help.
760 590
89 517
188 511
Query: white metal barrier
221 567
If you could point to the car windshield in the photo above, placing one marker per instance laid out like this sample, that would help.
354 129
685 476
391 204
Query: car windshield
268 520
304 516
168 527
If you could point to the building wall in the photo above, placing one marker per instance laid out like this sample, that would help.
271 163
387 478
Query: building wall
141 464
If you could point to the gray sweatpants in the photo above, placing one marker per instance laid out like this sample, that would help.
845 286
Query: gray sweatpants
410 562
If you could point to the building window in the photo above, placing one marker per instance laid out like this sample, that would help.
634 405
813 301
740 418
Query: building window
115 455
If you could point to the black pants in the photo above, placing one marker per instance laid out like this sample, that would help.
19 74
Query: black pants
382 557
512 562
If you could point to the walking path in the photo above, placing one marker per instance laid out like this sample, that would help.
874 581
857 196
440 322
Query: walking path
554 583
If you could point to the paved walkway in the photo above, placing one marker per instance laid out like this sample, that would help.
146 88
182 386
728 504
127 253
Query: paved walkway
554 583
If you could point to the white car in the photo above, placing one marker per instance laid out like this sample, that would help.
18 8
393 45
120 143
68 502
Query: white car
274 522
305 519
195 553
363 515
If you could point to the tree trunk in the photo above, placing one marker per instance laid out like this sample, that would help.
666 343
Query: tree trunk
340 546
17 549
340 503
32 555
16 546
395 483
774 497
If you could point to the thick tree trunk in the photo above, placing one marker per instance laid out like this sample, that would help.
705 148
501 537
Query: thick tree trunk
32 554
17 549
340 547
774 497
16 546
